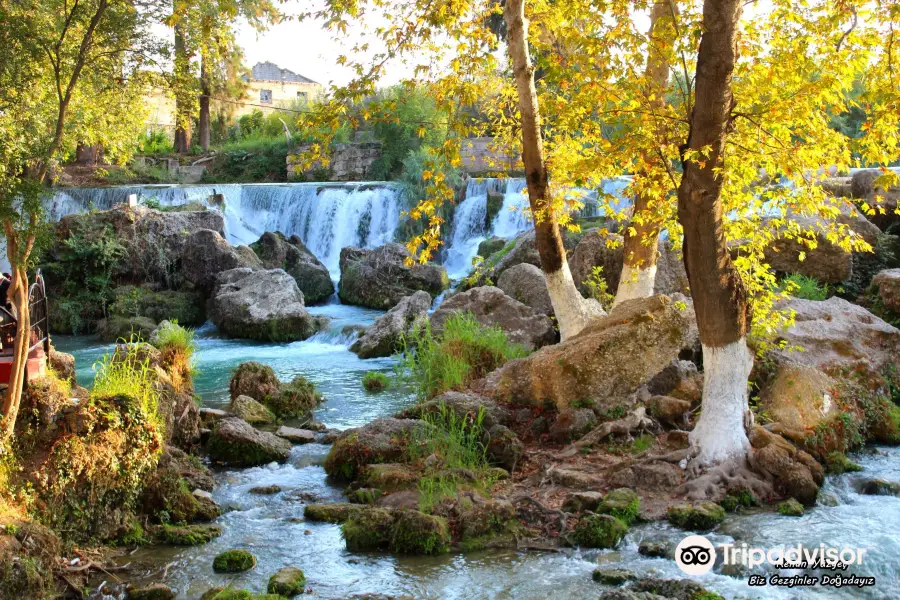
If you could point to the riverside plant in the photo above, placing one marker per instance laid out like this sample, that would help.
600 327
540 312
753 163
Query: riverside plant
465 350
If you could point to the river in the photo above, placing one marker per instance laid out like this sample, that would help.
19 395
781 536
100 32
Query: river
272 527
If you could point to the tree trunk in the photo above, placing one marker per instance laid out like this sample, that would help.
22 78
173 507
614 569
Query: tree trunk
19 296
641 247
572 311
720 299
203 126
182 105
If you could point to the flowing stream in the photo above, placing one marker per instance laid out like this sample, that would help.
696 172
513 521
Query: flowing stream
272 527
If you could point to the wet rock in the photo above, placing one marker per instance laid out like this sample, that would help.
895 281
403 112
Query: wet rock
206 254
275 251
157 591
209 416
287 581
790 508
837 463
415 532
255 380
296 436
187 467
571 424
379 278
668 410
612 576
492 308
235 442
655 549
674 589
265 490
622 503
527 284
336 512
251 411
491 245
887 285
486 523
579 502
364 496
794 472
864 186
261 305
650 331
599 531
187 535
879 487
520 250
368 529
382 440
504 448
699 516
383 337
63 365
234 561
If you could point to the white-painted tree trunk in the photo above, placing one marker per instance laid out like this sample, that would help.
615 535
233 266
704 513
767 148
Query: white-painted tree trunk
720 436
635 282
572 310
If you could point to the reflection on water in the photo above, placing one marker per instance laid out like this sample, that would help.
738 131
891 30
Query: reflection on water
272 527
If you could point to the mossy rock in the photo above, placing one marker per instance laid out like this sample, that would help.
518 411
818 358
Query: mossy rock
682 589
621 503
790 508
599 531
336 512
255 380
116 328
837 463
415 532
364 496
655 549
221 593
294 399
368 530
157 591
737 500
234 561
700 516
187 535
251 411
612 576
186 307
287 582
388 477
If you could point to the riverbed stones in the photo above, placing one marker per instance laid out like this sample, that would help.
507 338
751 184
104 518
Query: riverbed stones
696 516
381 441
790 508
187 535
156 591
383 337
886 284
235 442
655 549
334 512
492 308
650 331
621 503
368 529
294 399
263 305
255 380
296 436
612 576
287 582
599 531
276 251
526 283
206 254
415 532
794 473
251 411
380 278
234 561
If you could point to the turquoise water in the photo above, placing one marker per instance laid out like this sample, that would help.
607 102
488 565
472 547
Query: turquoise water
272 527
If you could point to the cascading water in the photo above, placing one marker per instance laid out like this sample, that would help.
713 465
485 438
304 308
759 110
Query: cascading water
512 218
469 226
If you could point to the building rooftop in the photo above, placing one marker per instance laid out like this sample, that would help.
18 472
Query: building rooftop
267 71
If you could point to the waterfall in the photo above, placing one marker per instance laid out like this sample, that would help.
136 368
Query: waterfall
327 217
469 226
512 218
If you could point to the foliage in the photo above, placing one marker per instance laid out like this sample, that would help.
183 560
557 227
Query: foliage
295 399
807 288
373 381
464 351
598 288
172 335
154 142
255 158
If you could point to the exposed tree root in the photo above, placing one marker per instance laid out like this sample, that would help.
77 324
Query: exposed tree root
715 482
637 420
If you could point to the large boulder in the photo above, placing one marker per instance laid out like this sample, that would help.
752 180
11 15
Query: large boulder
887 285
261 305
827 262
522 249
236 443
864 187
599 248
277 252
207 253
527 284
383 337
607 362
380 441
491 307
835 334
794 473
380 278
798 396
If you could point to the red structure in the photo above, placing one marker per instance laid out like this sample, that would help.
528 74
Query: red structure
39 349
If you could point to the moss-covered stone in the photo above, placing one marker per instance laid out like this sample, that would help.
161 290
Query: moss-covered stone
837 463
294 399
599 531
388 477
251 411
157 591
167 492
790 508
655 549
415 532
700 516
368 530
612 576
337 512
364 496
234 561
287 581
737 500
117 328
683 589
186 307
621 503
187 535
233 441
255 380
221 593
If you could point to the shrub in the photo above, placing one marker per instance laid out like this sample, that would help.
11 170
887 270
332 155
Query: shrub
294 399
806 288
374 381
598 288
464 351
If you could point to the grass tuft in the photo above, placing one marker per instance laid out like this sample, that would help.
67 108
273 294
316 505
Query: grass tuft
373 381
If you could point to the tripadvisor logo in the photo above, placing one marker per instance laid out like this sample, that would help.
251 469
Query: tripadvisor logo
695 555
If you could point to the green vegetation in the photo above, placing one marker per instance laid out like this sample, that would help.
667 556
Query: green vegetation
172 335
701 516
288 582
188 535
790 508
621 503
234 561
599 531
294 399
415 532
186 308
837 463
373 381
599 289
806 288
736 500
464 351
